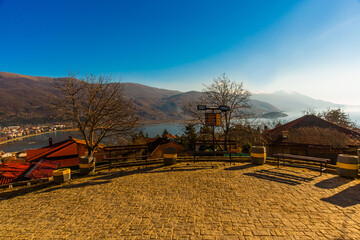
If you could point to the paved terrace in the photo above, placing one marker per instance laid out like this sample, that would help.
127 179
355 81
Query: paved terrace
189 201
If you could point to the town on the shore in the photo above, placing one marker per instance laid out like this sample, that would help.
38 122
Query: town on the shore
16 131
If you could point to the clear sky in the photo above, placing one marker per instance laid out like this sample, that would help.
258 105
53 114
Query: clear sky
308 46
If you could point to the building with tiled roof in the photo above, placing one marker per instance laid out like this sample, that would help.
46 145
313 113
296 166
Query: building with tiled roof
169 136
159 150
66 153
312 136
12 172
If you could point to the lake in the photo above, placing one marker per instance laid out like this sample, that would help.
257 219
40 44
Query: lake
43 139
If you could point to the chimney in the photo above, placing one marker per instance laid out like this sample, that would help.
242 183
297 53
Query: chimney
50 142
265 129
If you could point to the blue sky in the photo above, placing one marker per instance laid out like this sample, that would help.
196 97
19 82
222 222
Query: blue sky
307 46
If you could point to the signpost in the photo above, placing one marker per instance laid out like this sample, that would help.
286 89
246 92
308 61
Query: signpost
213 119
201 107
224 108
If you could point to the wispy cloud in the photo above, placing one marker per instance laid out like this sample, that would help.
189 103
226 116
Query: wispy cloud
338 27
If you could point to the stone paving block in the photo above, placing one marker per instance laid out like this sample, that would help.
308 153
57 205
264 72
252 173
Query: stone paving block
194 201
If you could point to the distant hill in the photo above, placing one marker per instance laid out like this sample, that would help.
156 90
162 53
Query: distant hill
149 100
24 99
293 101
273 115
174 103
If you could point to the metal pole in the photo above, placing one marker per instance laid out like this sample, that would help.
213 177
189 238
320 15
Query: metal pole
213 133
213 129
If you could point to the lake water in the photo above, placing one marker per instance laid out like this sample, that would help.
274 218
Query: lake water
43 140
155 129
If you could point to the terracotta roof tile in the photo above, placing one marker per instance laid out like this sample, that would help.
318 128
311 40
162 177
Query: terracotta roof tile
69 150
32 153
67 162
37 154
41 169
12 170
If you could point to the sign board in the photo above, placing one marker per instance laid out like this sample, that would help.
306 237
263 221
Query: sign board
224 108
201 107
213 119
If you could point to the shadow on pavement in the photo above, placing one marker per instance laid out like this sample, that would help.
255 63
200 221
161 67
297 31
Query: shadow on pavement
334 182
245 166
112 175
101 178
345 198
276 176
22 191
104 178
181 169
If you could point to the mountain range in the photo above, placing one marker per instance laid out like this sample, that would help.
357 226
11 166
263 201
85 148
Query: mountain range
293 101
25 99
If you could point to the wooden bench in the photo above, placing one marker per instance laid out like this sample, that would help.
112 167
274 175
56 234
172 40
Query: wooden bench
284 157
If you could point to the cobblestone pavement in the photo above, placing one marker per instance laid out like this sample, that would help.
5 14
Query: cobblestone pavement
189 201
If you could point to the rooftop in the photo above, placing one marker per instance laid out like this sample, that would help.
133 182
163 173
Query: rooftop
12 171
65 152
315 131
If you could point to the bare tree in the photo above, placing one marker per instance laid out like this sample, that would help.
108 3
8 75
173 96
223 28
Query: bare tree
335 115
96 105
309 111
338 116
223 91
247 132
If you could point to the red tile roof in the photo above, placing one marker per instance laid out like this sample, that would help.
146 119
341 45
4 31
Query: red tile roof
33 153
40 153
66 150
10 172
312 130
41 169
66 153
67 162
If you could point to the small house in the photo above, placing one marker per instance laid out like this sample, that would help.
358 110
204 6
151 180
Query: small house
67 152
312 136
13 172
159 150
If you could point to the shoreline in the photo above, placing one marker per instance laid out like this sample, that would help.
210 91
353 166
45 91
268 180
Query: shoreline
73 129
33 135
